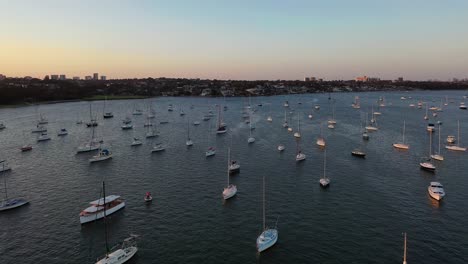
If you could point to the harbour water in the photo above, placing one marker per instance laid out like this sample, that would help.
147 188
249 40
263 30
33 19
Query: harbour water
359 219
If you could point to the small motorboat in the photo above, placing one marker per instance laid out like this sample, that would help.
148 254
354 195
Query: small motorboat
27 147
300 156
427 165
158 147
269 119
210 152
234 167
148 198
317 107
365 135
310 116
62 132
331 126
436 190
108 115
358 153
196 123
451 139
127 126
189 143
43 137
321 142
136 142
281 147
251 140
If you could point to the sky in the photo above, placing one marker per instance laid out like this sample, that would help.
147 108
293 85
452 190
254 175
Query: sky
220 39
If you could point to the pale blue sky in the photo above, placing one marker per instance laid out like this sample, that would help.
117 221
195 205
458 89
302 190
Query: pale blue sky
235 39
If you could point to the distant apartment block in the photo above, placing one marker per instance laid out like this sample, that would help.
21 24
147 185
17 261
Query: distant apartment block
54 77
306 79
362 79
400 79
88 78
63 77
103 78
95 76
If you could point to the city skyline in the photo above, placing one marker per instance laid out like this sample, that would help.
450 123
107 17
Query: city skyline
264 40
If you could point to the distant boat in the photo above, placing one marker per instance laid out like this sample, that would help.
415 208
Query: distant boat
356 104
92 145
43 137
158 147
426 117
402 145
106 115
92 120
320 139
196 123
269 236
430 127
371 128
221 126
127 124
317 107
462 106
136 142
324 181
457 147
358 153
189 141
9 203
451 139
211 151
298 133
62 132
230 190
2 126
251 139
436 190
285 122
281 147
148 197
116 255
39 129
332 120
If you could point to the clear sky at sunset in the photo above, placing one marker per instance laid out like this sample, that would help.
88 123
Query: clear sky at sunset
239 39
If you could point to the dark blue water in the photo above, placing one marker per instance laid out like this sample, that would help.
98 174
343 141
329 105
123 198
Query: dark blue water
359 219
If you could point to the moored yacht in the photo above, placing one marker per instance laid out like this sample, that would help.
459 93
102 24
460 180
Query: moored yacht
112 204
136 142
269 236
210 152
158 147
43 137
281 147
62 132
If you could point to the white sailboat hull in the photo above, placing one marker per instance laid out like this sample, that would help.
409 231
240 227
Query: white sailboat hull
119 256
267 239
455 148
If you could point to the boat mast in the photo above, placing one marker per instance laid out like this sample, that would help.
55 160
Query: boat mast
324 163
404 252
404 126
430 144
4 180
458 142
264 203
105 221
229 162
439 138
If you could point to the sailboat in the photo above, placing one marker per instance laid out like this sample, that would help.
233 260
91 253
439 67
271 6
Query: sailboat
438 156
211 151
26 146
436 190
189 141
230 190
151 131
269 236
402 145
298 133
426 117
324 181
92 145
356 104
426 163
404 252
9 203
320 139
136 142
332 121
299 155
221 126
106 115
103 154
285 122
370 128
119 255
92 120
251 139
457 147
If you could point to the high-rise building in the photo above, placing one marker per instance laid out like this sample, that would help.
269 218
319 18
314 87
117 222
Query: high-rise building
88 78
95 76
400 79
306 79
103 78
54 76
63 77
